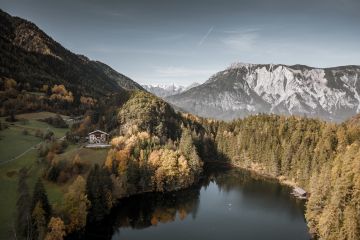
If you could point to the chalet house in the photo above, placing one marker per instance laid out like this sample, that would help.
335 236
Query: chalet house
299 193
98 137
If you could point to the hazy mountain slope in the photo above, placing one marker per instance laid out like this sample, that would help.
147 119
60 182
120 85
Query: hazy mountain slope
28 55
121 79
243 89
168 90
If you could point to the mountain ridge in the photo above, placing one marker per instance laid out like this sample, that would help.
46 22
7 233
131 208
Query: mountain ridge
245 89
29 55
163 90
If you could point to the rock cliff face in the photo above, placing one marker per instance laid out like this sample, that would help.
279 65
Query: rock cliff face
245 89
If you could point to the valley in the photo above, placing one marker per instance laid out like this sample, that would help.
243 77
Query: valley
286 124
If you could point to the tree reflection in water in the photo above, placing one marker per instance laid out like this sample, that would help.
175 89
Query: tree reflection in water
145 210
151 209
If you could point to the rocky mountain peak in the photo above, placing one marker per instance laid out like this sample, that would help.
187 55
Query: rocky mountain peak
244 89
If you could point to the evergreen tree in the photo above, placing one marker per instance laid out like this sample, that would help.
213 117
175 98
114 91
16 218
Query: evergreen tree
40 195
188 148
186 143
39 222
23 218
99 192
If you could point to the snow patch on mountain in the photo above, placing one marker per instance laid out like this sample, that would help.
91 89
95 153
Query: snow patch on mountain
163 90
243 89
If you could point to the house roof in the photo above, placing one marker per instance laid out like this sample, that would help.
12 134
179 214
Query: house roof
299 190
97 130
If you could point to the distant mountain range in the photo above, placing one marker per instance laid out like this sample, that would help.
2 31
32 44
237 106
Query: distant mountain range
30 56
163 90
245 89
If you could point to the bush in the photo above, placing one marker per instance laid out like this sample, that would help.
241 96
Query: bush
25 132
11 117
49 135
24 121
56 121
39 133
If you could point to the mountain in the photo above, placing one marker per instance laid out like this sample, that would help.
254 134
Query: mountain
122 80
30 56
167 90
245 89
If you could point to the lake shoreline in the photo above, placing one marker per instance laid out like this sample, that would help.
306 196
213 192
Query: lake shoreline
257 169
280 179
227 192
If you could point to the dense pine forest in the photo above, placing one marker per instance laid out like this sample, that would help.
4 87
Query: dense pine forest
321 157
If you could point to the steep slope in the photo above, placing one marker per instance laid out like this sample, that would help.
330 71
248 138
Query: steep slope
121 79
29 56
168 90
244 89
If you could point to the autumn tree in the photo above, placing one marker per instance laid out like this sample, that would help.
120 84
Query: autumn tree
39 222
56 229
76 205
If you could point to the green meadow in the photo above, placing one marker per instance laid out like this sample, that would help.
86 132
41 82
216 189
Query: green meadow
18 150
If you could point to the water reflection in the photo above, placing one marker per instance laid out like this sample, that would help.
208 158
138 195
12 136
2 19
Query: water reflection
233 200
145 210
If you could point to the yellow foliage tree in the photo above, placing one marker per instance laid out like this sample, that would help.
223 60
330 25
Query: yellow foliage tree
56 229
76 205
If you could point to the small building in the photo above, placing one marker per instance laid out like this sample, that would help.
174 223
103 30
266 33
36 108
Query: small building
98 139
299 192
74 119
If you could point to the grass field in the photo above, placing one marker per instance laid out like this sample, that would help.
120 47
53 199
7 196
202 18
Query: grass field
38 115
90 156
8 189
12 143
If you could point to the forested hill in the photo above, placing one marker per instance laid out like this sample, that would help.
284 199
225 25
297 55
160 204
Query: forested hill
322 157
33 59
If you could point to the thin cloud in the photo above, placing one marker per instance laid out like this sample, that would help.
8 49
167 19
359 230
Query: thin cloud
145 51
182 72
172 37
242 41
205 36
242 31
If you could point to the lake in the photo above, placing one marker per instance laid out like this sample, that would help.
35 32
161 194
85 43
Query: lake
226 204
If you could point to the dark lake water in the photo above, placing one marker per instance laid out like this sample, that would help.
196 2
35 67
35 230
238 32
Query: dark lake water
227 204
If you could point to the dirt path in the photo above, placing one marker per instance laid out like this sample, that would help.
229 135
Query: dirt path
21 154
27 150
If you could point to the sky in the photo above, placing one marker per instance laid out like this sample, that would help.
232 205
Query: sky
185 41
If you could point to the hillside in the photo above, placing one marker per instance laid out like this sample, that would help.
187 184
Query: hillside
33 59
246 89
319 156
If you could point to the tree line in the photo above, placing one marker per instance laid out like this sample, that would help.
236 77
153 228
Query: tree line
319 156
